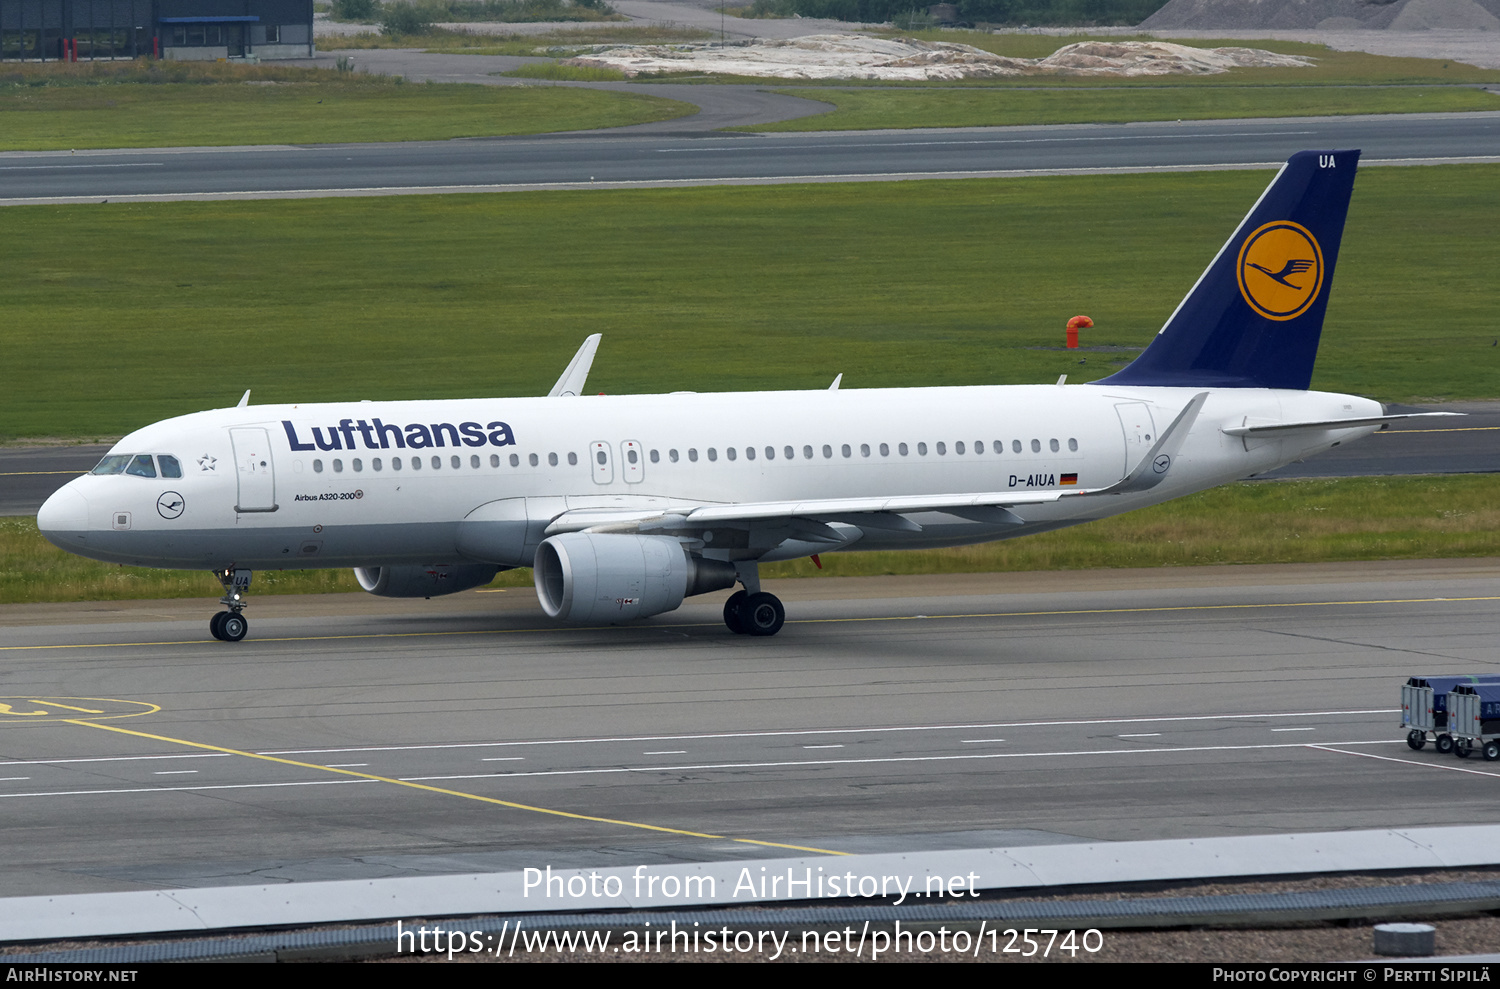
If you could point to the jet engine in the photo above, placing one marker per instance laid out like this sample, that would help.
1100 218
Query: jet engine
424 581
594 576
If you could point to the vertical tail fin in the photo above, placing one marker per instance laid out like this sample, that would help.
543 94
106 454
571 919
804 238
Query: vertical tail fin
1254 318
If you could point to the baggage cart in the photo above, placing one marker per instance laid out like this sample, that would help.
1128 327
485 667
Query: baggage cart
1474 719
1424 707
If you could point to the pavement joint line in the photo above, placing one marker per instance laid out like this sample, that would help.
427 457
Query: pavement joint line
1408 762
798 621
451 793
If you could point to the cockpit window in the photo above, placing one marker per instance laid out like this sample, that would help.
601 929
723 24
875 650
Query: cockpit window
169 466
114 464
141 466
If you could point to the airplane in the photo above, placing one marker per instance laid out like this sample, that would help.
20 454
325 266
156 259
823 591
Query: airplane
626 505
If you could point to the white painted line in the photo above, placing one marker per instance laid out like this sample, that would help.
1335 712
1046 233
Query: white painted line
181 789
978 741
176 772
115 758
1145 734
836 731
742 145
1294 729
1408 762
792 764
505 758
822 746
346 765
667 752
50 168
12 779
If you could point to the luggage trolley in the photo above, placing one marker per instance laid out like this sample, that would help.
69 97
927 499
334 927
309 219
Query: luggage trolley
1474 719
1424 707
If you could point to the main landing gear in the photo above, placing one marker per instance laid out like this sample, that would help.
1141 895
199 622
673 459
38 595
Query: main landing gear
753 611
231 625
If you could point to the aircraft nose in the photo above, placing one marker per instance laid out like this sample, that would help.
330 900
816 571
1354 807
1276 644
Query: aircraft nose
65 512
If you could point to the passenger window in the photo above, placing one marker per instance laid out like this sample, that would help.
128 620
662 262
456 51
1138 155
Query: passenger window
942 449
515 460
141 466
864 449
693 454
375 463
169 466
338 466
474 461
979 446
770 453
958 447
112 465
1073 445
359 465
532 459
807 453
1054 445
655 457
846 451
416 463
672 456
749 453
999 446
551 460
437 463
731 452
598 456
1015 445
921 449
789 452
317 466
395 464
630 455
885 450
1036 446
901 449
713 454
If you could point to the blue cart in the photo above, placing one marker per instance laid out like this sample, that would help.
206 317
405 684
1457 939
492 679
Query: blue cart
1474 719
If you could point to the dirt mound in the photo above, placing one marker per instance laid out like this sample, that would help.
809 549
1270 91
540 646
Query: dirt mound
1394 15
838 56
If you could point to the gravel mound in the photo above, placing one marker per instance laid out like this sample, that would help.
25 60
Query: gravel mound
842 56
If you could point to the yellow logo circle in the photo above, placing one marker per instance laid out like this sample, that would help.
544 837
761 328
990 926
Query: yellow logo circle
1280 270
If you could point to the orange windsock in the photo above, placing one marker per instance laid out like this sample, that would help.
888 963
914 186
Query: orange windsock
1074 325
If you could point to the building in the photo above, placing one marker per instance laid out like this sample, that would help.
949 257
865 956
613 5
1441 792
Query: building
177 29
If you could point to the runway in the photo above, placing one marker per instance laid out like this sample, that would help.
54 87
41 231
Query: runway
357 737
604 160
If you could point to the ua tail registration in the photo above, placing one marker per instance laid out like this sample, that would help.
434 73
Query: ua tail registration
625 505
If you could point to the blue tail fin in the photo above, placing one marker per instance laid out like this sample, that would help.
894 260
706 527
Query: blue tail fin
1254 318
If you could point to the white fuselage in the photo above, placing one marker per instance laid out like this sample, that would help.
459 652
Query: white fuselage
386 483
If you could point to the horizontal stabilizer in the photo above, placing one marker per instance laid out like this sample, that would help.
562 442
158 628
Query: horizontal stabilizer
1323 424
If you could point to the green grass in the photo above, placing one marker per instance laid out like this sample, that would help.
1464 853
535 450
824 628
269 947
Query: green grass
1253 522
569 73
268 105
875 109
122 314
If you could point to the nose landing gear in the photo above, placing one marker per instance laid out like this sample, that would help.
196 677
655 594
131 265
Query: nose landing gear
231 625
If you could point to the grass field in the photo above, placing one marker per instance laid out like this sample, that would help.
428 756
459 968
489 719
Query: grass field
121 105
875 109
1253 522
122 314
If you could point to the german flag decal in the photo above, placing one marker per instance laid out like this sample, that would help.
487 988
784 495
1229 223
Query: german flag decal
1068 479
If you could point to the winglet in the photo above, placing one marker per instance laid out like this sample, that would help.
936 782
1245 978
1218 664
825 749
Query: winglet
244 400
1153 468
835 385
571 382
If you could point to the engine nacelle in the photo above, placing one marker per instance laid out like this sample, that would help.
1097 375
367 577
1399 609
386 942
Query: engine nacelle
425 581
596 576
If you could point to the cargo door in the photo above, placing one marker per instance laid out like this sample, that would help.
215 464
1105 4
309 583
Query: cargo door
254 469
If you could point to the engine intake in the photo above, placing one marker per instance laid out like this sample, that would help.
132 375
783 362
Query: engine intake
424 581
592 576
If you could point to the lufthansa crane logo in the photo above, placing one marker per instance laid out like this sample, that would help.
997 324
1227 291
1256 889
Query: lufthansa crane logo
1280 270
